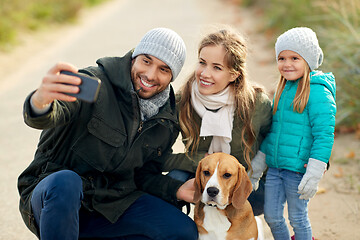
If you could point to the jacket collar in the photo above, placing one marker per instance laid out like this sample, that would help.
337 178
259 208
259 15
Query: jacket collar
118 71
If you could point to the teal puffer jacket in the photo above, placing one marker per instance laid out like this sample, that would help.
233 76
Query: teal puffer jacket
295 137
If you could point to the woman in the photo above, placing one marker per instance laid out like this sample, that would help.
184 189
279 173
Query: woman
220 111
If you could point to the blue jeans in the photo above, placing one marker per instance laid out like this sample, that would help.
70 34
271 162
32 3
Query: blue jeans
282 186
256 198
56 203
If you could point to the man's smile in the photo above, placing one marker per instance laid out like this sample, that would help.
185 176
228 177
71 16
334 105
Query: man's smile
145 83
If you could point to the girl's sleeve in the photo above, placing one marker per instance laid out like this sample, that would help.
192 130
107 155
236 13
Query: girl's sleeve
322 111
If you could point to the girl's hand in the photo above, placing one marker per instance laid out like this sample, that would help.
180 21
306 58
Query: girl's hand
310 181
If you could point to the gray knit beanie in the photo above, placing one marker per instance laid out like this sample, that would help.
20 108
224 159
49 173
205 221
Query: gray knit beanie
166 45
304 42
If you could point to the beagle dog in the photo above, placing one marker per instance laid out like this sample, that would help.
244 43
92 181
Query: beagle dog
222 211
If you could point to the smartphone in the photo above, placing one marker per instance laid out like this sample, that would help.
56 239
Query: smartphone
89 87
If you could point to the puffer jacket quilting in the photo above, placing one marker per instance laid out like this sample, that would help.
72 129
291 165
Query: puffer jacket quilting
295 137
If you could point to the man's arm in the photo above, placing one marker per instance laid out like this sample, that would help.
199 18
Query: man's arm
48 105
150 179
181 161
55 86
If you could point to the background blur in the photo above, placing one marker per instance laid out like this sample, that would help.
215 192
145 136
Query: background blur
35 34
336 22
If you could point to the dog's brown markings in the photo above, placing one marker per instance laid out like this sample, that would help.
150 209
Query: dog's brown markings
236 188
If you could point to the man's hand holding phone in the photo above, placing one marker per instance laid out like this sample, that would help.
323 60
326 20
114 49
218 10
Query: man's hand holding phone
88 89
64 87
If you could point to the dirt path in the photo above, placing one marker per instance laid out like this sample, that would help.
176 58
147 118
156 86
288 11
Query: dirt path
334 213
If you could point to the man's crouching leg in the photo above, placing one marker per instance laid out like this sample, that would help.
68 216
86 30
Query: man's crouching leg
56 202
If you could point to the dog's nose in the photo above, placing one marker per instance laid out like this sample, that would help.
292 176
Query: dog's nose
212 191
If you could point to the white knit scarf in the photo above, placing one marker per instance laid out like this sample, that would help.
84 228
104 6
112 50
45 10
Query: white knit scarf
218 124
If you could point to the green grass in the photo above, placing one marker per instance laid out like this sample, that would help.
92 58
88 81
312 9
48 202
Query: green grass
341 32
18 16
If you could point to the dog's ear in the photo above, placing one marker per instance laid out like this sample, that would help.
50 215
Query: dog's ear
243 188
197 184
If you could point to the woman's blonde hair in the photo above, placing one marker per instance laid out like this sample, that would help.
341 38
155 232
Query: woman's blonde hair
302 93
245 93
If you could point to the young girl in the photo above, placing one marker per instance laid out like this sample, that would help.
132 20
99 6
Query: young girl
220 111
298 146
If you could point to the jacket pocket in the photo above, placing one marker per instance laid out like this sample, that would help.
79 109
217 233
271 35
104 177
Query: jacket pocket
98 145
157 139
299 151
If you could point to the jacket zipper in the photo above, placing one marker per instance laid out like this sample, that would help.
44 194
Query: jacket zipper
140 126
135 128
283 95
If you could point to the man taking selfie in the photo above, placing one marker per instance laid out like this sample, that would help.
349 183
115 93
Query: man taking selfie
83 181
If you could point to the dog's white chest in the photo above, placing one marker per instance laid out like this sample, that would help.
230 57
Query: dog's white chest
215 223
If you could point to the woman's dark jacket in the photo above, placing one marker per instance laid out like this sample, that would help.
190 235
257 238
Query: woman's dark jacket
106 143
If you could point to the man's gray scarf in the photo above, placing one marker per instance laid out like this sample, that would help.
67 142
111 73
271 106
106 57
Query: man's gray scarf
150 107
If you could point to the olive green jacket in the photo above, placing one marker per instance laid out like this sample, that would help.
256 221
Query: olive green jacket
261 122
106 143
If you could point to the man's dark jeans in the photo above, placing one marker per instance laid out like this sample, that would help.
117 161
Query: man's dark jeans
56 203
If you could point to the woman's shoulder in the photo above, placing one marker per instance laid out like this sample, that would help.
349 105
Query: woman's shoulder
178 97
261 98
263 107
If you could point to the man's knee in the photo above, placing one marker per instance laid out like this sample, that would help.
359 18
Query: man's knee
61 188
64 177
65 182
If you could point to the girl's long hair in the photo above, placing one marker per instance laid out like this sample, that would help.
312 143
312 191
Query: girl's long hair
302 93
245 93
